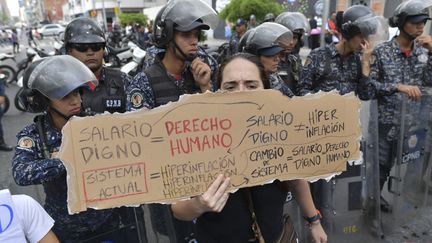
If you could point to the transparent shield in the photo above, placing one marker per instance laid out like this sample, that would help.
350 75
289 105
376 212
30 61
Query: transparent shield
162 227
132 228
350 202
407 186
382 33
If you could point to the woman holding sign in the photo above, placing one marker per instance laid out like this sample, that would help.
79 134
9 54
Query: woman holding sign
52 87
224 217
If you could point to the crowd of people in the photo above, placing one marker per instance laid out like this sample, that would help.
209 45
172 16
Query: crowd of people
261 56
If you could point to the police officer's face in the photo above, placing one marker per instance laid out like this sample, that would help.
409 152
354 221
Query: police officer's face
414 29
270 63
89 54
240 75
187 41
356 42
69 105
292 44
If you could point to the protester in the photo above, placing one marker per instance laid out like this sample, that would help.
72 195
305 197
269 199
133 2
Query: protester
15 41
224 217
33 220
3 145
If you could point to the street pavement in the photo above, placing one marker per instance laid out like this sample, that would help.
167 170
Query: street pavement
412 230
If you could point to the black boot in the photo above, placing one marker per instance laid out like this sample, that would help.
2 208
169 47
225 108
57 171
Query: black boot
4 146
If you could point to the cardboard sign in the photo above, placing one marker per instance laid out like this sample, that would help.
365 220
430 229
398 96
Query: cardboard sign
176 151
10 226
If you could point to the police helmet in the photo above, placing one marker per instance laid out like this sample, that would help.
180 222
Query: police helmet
268 39
294 21
83 30
269 17
183 16
48 79
357 19
413 10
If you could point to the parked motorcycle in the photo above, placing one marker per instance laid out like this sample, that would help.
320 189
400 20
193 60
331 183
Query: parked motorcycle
135 64
8 72
6 104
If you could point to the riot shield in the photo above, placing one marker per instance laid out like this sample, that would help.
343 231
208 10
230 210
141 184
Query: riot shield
406 190
349 202
132 228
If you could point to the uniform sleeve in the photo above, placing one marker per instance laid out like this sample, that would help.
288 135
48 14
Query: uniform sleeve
139 93
35 221
28 168
214 70
427 80
380 85
126 79
307 75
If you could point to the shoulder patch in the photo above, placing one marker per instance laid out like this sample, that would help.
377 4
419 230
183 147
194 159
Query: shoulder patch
26 143
137 100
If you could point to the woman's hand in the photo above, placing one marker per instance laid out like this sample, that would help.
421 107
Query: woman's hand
213 200
216 196
317 232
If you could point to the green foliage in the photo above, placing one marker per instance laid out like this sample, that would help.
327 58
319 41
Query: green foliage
126 18
244 8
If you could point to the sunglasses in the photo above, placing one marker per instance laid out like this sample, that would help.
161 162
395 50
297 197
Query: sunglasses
85 47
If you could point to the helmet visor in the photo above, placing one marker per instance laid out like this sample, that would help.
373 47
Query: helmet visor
382 31
294 21
55 82
185 12
268 35
414 7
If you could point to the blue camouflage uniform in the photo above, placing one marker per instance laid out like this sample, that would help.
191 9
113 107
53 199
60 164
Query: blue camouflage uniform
325 69
277 83
153 51
30 167
233 44
141 87
289 70
97 100
389 68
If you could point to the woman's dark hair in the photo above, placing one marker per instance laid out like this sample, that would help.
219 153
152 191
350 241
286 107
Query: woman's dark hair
249 57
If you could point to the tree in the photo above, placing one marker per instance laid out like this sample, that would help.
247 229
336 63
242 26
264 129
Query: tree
126 18
244 8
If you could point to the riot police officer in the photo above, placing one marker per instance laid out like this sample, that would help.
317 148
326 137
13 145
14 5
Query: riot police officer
179 69
267 41
400 66
55 91
240 30
269 17
290 65
340 66
85 40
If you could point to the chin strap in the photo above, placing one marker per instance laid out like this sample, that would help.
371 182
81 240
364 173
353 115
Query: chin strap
59 113
408 36
187 58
